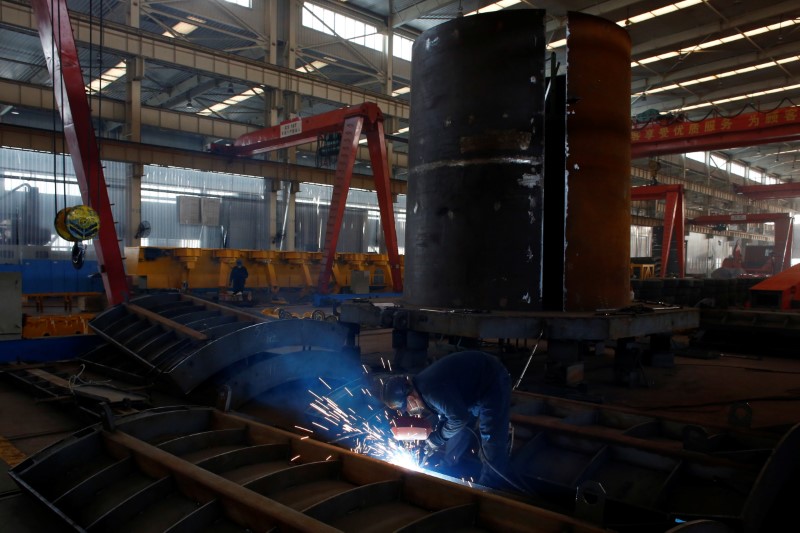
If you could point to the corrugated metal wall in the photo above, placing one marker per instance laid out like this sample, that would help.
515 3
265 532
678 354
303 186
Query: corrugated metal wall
35 185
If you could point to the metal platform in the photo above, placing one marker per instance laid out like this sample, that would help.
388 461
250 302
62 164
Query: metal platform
607 324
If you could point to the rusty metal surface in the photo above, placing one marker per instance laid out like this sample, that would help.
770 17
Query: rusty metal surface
474 188
598 164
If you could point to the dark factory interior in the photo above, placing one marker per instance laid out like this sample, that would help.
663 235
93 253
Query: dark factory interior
255 282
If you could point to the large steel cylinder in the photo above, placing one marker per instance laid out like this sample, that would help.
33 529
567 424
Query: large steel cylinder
474 227
598 185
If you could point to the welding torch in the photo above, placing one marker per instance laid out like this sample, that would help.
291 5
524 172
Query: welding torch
408 428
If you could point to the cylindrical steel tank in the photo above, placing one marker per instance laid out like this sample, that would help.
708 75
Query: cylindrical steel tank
598 185
474 207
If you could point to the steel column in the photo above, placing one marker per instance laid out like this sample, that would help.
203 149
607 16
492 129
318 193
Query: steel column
55 32
344 170
380 169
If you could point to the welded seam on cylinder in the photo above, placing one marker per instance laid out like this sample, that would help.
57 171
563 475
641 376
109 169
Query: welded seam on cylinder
427 167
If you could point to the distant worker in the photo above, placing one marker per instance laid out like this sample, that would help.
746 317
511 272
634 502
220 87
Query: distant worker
461 388
238 277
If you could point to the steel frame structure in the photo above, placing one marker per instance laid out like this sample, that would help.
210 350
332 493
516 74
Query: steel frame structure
61 55
351 122
674 219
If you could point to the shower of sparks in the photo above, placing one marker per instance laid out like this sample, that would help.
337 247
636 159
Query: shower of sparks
373 437
304 429
323 382
348 391
293 459
366 370
383 363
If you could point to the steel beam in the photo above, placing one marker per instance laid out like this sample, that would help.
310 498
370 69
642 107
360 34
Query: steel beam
766 192
55 32
148 154
696 33
130 42
747 129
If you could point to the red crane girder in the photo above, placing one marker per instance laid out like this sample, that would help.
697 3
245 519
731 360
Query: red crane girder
715 133
784 232
58 44
366 118
769 192
673 219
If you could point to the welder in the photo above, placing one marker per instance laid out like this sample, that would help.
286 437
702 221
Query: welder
237 277
461 388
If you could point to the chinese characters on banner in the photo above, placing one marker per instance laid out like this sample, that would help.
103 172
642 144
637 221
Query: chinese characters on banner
757 120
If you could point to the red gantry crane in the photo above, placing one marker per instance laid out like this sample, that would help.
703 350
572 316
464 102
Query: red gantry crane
351 122
783 231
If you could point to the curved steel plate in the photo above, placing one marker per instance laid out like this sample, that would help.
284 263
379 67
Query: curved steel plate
215 356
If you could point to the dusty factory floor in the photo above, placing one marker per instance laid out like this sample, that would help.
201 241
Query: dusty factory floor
715 388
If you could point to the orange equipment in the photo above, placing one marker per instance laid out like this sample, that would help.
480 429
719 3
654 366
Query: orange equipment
352 121
781 291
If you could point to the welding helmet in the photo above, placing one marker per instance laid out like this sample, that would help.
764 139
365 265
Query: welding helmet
395 391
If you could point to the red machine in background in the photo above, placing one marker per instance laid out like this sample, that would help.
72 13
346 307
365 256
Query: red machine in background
781 250
351 122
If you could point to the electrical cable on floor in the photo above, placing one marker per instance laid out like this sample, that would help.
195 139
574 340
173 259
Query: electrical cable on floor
485 461
76 381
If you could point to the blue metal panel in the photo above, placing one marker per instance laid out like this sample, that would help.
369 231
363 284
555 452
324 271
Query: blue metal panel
47 348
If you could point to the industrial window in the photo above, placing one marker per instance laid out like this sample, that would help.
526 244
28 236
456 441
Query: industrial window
327 21
755 175
738 169
243 3
402 47
697 156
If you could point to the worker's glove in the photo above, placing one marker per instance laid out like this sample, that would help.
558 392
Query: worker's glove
428 450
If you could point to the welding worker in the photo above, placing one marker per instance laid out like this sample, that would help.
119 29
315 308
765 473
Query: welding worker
459 388
237 277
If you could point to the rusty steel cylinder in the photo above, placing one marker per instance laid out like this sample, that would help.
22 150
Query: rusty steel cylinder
474 228
597 174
